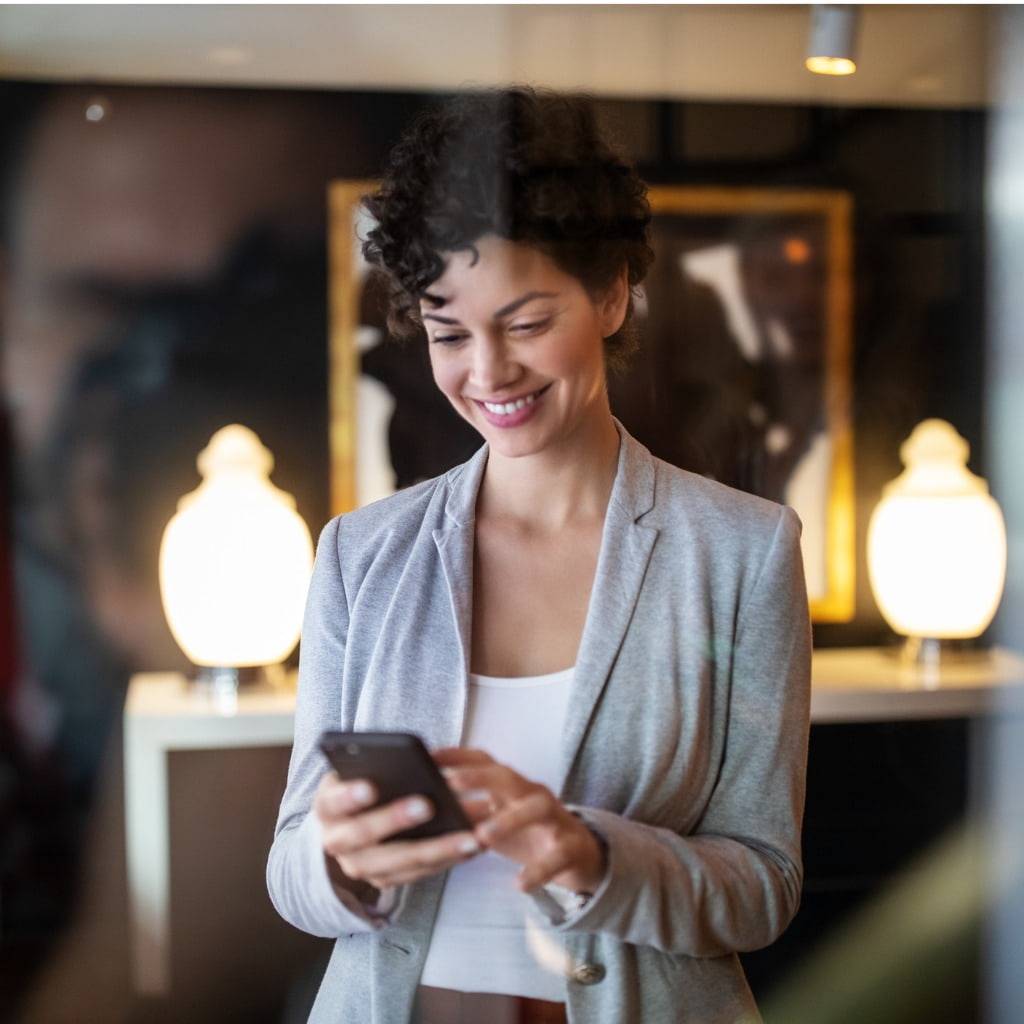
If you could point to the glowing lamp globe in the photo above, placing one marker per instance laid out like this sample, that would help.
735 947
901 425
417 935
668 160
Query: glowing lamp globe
235 560
936 542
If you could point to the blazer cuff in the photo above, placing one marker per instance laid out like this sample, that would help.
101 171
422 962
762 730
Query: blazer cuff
337 908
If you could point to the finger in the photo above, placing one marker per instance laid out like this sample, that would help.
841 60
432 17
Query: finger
337 799
459 768
537 807
501 783
406 861
548 867
477 804
372 827
458 757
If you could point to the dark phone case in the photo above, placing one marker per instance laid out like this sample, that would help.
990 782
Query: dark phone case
398 764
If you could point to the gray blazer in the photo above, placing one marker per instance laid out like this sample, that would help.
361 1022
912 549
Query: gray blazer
685 745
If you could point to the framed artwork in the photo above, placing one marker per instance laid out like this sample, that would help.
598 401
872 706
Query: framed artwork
743 372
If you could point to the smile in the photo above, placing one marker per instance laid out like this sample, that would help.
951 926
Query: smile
507 408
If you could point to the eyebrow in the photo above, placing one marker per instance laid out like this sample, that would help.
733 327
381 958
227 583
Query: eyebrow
515 304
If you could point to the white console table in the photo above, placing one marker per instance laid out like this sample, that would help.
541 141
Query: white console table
164 714
871 684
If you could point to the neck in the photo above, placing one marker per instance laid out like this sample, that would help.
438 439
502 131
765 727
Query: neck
553 488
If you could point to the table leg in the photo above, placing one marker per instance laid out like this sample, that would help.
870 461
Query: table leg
148 855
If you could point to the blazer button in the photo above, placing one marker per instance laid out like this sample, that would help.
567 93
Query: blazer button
589 974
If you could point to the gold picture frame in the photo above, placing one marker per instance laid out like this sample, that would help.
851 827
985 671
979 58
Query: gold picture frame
343 360
710 241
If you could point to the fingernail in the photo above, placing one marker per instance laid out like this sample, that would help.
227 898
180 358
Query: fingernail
417 810
362 793
469 845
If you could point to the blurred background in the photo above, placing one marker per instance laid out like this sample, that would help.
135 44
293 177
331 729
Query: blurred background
164 270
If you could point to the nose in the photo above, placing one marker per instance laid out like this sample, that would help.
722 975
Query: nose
493 365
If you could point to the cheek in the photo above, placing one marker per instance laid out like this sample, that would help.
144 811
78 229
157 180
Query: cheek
581 352
445 372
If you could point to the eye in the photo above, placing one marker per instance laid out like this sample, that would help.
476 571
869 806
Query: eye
526 328
447 339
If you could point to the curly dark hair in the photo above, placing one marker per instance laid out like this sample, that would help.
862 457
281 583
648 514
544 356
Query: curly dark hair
527 165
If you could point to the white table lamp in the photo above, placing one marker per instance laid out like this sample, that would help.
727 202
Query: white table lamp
235 562
936 544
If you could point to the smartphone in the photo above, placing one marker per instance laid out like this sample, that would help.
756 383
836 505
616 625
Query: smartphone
398 764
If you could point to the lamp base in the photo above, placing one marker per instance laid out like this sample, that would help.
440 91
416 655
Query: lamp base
931 652
223 680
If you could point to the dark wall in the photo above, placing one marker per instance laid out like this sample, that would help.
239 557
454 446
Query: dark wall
164 272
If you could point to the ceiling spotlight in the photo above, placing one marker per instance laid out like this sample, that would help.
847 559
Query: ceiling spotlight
830 46
96 109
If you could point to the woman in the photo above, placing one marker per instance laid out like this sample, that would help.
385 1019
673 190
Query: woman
609 656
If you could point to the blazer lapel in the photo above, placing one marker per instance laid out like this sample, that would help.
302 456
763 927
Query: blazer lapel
626 547
455 550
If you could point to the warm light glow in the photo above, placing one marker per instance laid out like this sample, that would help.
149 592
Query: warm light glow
831 65
235 560
830 44
796 250
937 541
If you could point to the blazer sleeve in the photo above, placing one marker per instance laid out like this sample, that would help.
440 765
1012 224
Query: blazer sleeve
733 883
297 878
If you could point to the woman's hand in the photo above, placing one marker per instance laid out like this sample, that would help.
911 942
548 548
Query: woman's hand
524 821
353 838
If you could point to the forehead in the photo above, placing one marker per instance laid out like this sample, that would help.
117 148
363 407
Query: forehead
494 266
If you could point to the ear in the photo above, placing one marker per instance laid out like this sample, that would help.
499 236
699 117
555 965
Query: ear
612 303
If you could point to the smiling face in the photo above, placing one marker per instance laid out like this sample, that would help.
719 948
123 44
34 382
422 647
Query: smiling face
517 346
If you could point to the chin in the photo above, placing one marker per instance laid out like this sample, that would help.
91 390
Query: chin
514 444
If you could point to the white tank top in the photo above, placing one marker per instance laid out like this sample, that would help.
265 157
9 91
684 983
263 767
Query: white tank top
486 938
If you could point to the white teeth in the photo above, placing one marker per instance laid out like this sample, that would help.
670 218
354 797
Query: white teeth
507 408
